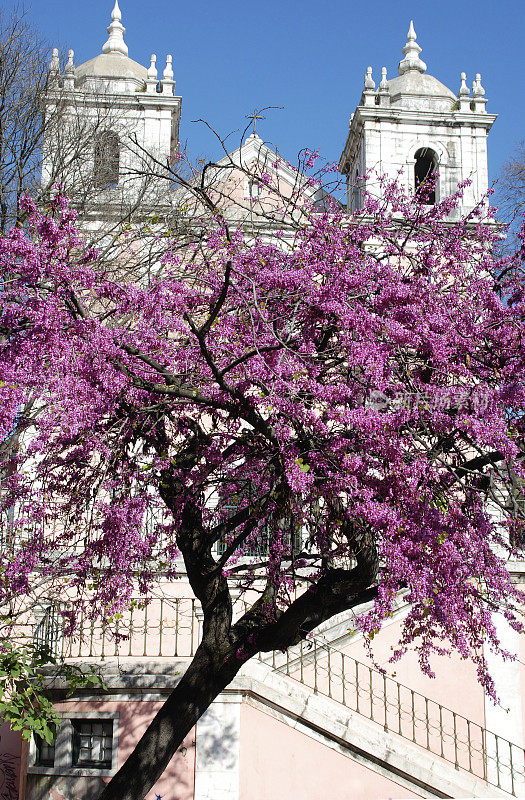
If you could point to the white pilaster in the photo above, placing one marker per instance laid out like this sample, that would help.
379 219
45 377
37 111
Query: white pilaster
217 746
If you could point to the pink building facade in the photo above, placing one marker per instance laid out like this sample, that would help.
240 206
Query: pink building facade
320 717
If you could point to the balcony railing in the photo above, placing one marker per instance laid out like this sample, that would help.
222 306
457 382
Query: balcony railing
162 628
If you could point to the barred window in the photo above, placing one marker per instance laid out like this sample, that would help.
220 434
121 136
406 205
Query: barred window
258 543
106 159
252 189
48 633
7 529
92 743
516 505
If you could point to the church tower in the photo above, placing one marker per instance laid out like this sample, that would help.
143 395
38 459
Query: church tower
112 125
412 125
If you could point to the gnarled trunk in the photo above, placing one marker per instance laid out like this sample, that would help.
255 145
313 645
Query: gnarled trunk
202 682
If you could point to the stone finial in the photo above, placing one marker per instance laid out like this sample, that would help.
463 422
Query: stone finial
369 81
167 77
54 69
477 88
384 89
152 69
411 52
116 30
54 64
463 94
478 95
69 78
152 79
70 66
369 90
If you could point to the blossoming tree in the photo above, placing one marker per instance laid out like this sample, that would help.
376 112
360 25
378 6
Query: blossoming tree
349 389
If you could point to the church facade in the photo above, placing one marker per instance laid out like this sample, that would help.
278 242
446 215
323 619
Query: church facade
319 719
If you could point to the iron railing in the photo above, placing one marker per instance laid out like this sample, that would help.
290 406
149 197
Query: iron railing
161 628
405 712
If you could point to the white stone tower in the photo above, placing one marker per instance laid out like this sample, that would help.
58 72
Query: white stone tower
414 124
112 117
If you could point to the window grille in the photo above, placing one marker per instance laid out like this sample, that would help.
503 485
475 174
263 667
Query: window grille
252 189
258 543
517 506
7 535
48 633
106 160
92 743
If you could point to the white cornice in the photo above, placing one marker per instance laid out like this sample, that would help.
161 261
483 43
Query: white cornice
423 115
89 99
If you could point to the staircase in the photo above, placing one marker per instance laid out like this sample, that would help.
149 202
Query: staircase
418 725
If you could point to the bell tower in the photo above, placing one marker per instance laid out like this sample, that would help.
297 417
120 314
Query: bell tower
413 124
112 125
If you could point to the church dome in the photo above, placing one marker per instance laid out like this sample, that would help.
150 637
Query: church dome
112 65
414 89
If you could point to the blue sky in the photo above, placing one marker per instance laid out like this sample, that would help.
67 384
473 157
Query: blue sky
308 57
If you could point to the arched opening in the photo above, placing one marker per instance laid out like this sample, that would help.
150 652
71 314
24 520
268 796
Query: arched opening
106 159
426 164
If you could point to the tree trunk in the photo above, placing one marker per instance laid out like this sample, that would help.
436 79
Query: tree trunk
204 679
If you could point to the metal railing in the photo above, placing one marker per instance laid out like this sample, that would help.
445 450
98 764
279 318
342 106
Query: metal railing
404 712
161 628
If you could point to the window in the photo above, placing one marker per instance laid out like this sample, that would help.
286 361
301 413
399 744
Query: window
517 507
7 529
258 543
48 633
92 743
45 753
356 186
106 160
86 744
252 189
426 164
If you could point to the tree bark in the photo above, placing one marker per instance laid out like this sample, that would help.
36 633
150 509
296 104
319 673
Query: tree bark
225 648
205 678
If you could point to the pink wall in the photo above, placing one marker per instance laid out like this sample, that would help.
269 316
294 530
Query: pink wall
231 193
279 761
10 751
455 686
178 780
